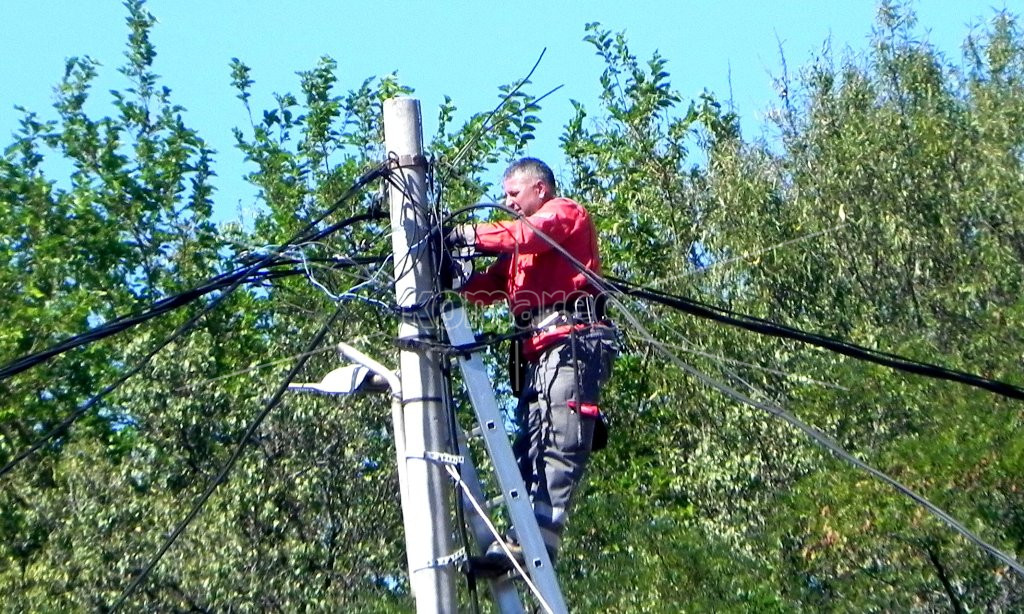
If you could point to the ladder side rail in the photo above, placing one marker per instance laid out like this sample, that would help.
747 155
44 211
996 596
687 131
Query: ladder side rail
503 591
513 489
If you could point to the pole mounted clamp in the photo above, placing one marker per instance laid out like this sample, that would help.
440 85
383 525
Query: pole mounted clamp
420 344
443 458
456 558
407 161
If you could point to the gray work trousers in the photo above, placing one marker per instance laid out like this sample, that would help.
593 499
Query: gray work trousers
554 441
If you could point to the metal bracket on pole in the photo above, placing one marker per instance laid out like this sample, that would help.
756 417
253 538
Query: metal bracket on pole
444 458
409 161
454 558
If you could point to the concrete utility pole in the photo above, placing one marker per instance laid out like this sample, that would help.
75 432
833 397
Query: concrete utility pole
429 533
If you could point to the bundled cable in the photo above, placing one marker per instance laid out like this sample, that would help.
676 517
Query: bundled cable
814 433
766 327
229 280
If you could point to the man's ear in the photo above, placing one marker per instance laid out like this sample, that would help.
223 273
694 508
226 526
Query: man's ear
542 189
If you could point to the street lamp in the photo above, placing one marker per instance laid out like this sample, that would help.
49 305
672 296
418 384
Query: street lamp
369 376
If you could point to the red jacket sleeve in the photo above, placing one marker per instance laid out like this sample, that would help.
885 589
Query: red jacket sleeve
556 219
489 286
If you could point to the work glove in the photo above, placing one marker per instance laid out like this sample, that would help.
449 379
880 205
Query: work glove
461 236
454 271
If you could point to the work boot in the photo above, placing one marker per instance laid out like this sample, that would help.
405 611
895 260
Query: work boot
494 562
496 553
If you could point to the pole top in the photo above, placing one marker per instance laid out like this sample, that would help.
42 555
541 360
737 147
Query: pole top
402 101
403 126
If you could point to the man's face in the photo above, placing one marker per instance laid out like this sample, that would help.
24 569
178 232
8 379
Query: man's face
525 193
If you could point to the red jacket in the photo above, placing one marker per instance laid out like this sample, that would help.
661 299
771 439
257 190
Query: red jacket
530 273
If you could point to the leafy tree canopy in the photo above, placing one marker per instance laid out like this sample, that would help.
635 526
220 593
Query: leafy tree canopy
884 208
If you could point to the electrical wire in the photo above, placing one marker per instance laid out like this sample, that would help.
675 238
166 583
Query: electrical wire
691 348
499 539
451 166
417 244
747 255
766 327
222 474
218 282
731 361
819 437
483 126
829 444
448 405
264 365
231 279
64 424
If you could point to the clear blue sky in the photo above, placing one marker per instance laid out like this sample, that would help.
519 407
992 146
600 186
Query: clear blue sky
459 48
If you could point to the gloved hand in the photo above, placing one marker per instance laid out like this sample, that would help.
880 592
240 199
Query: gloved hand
454 271
461 236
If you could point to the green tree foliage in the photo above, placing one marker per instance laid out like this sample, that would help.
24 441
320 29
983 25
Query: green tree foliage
884 208
309 517
883 211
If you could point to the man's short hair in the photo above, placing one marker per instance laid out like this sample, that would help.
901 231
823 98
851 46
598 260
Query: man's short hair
535 168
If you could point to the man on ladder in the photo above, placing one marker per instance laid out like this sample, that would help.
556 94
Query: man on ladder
558 366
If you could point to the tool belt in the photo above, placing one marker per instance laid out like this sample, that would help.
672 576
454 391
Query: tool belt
580 308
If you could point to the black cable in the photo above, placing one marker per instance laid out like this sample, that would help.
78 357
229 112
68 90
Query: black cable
766 327
484 341
816 435
85 407
334 261
92 401
418 244
183 298
829 444
222 474
235 282
483 126
110 328
63 425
